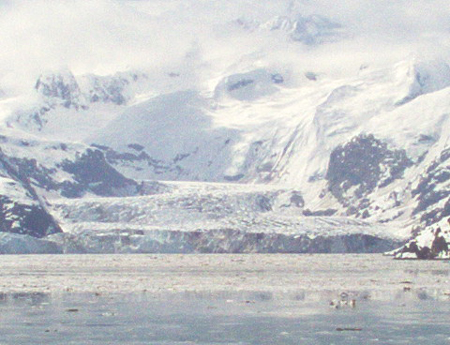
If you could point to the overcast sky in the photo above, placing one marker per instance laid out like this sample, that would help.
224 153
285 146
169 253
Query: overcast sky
103 36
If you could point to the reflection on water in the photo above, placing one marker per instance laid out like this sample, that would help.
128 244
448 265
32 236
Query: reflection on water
444 273
407 317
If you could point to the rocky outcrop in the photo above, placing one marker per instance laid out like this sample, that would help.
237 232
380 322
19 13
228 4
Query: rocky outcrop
64 89
22 211
358 167
116 89
428 245
22 208
91 173
26 219
60 89
432 189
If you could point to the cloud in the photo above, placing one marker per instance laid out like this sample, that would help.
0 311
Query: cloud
104 36
99 36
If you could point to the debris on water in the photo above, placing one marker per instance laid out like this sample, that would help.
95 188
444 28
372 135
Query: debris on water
348 329
108 314
72 310
344 301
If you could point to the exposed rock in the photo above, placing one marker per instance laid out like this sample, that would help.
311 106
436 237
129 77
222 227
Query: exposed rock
358 167
114 89
428 245
60 89
19 218
92 173
319 213
432 188
22 211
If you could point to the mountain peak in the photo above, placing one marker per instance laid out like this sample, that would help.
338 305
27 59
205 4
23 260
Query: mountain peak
423 77
60 88
310 30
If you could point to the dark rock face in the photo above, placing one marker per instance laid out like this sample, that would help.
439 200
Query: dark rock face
263 203
319 213
134 159
428 191
25 219
62 88
240 84
297 200
26 214
362 165
30 169
111 89
92 173
277 78
439 246
111 92
23 211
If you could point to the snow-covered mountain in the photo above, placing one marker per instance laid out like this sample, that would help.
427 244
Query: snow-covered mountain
263 135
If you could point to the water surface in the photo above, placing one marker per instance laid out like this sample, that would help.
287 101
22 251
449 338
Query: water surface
217 299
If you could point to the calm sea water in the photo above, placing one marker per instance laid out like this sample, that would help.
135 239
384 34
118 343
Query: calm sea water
232 319
388 312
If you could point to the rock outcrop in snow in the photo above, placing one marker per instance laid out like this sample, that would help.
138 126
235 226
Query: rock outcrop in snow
358 167
22 210
60 89
32 170
249 86
310 30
